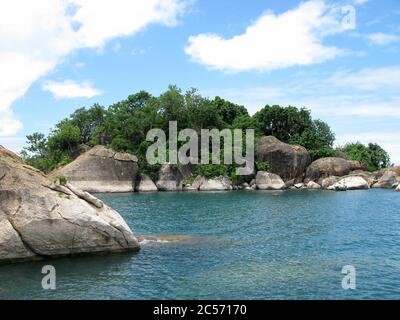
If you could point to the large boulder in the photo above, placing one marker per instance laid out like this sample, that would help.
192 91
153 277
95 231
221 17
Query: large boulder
40 218
388 180
350 183
287 161
170 178
326 167
145 184
101 170
327 182
269 181
220 183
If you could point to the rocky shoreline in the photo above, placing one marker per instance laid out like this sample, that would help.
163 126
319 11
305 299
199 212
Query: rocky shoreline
290 167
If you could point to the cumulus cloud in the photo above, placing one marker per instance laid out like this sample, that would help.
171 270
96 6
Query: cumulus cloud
71 89
382 39
293 38
36 36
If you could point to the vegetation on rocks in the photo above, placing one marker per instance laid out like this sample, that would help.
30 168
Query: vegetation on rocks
123 127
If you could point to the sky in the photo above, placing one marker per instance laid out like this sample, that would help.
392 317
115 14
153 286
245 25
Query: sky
340 59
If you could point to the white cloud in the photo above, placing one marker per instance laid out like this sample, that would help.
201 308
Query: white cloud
71 89
36 36
382 39
368 79
293 38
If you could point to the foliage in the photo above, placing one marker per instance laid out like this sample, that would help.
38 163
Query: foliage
123 127
262 166
373 155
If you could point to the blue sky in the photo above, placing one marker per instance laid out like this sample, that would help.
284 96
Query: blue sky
59 55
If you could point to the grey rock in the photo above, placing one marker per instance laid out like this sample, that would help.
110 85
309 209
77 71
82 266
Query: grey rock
170 178
313 185
101 170
39 219
216 184
287 161
269 181
387 181
350 183
146 184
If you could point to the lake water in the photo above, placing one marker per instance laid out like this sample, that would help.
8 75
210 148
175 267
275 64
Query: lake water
236 245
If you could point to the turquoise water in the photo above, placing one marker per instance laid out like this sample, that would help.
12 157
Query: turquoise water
236 245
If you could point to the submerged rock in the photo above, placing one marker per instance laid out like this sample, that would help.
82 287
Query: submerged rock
101 170
146 184
350 183
269 181
39 218
287 161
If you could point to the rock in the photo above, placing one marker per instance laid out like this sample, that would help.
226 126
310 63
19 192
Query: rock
341 154
350 183
195 184
327 182
357 165
398 188
313 185
269 181
326 167
146 184
170 178
40 219
299 185
216 184
290 183
287 161
387 181
101 170
252 182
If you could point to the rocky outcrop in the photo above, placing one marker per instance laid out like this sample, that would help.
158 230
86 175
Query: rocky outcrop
287 161
326 167
220 183
388 180
350 183
195 185
269 181
145 184
39 218
101 170
313 185
170 178
327 182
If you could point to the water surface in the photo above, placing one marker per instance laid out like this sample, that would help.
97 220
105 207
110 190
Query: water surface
235 245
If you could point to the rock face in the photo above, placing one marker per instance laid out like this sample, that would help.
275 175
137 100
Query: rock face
216 184
101 170
326 167
146 184
387 181
170 178
269 181
313 185
287 161
350 183
39 218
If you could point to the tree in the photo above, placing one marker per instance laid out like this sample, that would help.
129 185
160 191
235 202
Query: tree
373 155
283 123
65 138
37 144
228 110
